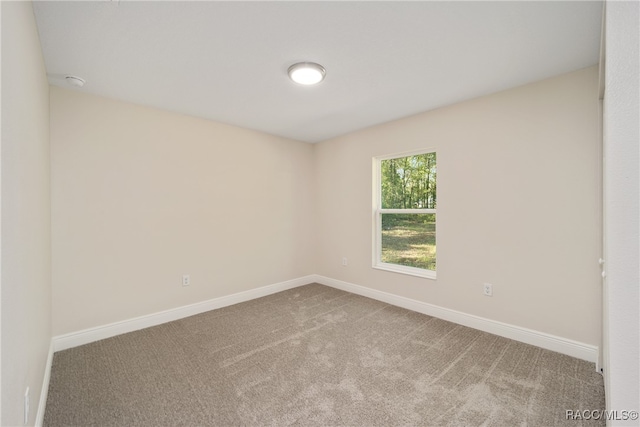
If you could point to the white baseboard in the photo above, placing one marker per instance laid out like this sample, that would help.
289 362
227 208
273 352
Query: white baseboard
86 336
45 388
550 342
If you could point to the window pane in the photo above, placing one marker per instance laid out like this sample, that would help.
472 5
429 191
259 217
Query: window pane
409 182
409 239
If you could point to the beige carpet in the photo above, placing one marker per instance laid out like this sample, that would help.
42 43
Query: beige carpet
316 356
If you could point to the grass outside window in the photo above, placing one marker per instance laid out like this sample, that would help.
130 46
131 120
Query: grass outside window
409 240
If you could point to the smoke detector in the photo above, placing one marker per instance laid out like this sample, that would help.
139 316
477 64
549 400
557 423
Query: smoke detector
74 81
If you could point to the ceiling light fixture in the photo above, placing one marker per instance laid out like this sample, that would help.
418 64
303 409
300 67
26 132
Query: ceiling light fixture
307 73
75 81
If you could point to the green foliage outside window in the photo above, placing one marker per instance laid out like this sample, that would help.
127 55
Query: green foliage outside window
409 182
409 239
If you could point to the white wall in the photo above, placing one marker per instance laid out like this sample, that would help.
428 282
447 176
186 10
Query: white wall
518 206
26 251
622 139
142 196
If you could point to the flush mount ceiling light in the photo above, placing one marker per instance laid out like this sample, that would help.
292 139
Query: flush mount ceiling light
307 73
75 81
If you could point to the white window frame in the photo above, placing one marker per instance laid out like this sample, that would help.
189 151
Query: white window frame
377 218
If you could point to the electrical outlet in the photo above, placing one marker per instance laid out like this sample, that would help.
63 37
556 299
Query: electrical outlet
27 401
186 280
488 289
344 261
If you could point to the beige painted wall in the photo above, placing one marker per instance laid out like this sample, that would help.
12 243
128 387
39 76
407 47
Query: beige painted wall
141 196
517 206
26 223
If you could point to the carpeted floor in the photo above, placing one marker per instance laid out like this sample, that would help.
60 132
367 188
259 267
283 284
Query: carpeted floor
317 356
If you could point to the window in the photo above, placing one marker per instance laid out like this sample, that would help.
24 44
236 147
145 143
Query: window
405 213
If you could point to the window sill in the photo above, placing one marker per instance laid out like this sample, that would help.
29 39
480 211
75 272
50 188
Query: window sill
411 271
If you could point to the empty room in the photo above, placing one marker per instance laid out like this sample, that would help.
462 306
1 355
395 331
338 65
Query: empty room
319 213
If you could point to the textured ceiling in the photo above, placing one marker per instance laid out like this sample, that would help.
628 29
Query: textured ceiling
227 61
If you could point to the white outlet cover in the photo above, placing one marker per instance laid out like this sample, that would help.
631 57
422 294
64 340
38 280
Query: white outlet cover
488 289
